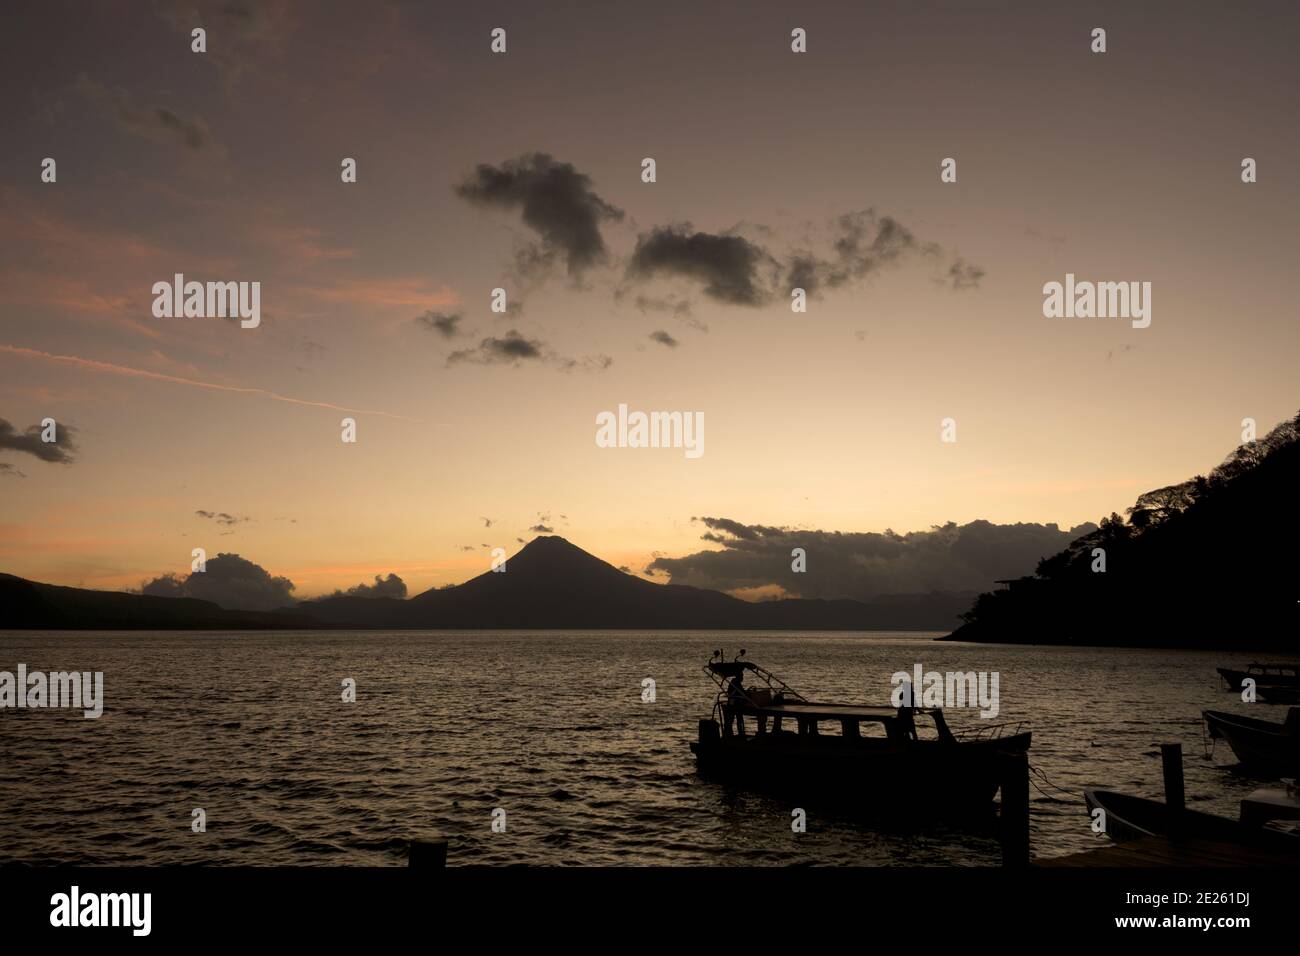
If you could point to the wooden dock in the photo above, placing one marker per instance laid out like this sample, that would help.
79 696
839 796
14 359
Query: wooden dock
1162 851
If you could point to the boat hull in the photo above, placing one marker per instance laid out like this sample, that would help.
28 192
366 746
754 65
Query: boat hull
1131 818
926 775
1279 695
1235 677
1259 745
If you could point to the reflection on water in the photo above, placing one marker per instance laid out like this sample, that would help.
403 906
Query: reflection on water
549 726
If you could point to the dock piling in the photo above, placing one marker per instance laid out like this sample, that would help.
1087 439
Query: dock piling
427 854
1013 822
1171 762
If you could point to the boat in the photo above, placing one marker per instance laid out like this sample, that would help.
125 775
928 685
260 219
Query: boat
1130 818
1260 745
904 758
1278 695
1264 675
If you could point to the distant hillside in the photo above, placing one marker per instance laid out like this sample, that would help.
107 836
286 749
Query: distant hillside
551 583
1211 563
27 604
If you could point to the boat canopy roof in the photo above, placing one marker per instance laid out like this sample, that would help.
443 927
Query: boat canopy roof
773 697
811 710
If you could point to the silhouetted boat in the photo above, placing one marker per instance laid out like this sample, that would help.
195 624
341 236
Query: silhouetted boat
1132 818
1264 675
1261 745
1278 695
1129 818
871 756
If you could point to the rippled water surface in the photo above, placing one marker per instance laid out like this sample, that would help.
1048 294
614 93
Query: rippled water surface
549 726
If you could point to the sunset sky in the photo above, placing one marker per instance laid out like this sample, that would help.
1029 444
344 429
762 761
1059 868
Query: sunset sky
522 170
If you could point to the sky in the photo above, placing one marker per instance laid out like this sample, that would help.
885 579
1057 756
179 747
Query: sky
523 170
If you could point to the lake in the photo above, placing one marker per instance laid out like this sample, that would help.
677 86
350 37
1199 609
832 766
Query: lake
551 728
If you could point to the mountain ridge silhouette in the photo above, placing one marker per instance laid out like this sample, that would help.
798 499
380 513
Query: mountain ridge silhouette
549 584
1211 562
552 583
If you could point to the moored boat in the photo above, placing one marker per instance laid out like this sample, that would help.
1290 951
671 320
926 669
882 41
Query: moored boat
1260 745
1264 675
1279 695
858 755
1124 817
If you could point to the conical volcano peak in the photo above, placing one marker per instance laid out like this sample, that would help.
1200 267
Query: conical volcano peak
556 555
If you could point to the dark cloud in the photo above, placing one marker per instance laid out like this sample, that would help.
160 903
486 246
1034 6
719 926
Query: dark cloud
729 266
220 517
541 529
962 275
233 582
513 348
445 324
61 451
865 565
487 522
557 202
738 271
585 363
508 349
860 244
389 587
8 469
663 338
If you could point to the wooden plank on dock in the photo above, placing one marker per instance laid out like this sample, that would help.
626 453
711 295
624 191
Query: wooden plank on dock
1158 851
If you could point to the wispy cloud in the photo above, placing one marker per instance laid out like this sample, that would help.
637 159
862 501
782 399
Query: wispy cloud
222 517
110 368
446 324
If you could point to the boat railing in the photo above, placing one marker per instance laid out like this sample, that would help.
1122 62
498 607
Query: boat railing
770 680
1007 728
771 683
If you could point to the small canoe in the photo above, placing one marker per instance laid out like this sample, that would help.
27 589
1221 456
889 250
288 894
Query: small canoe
1130 818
